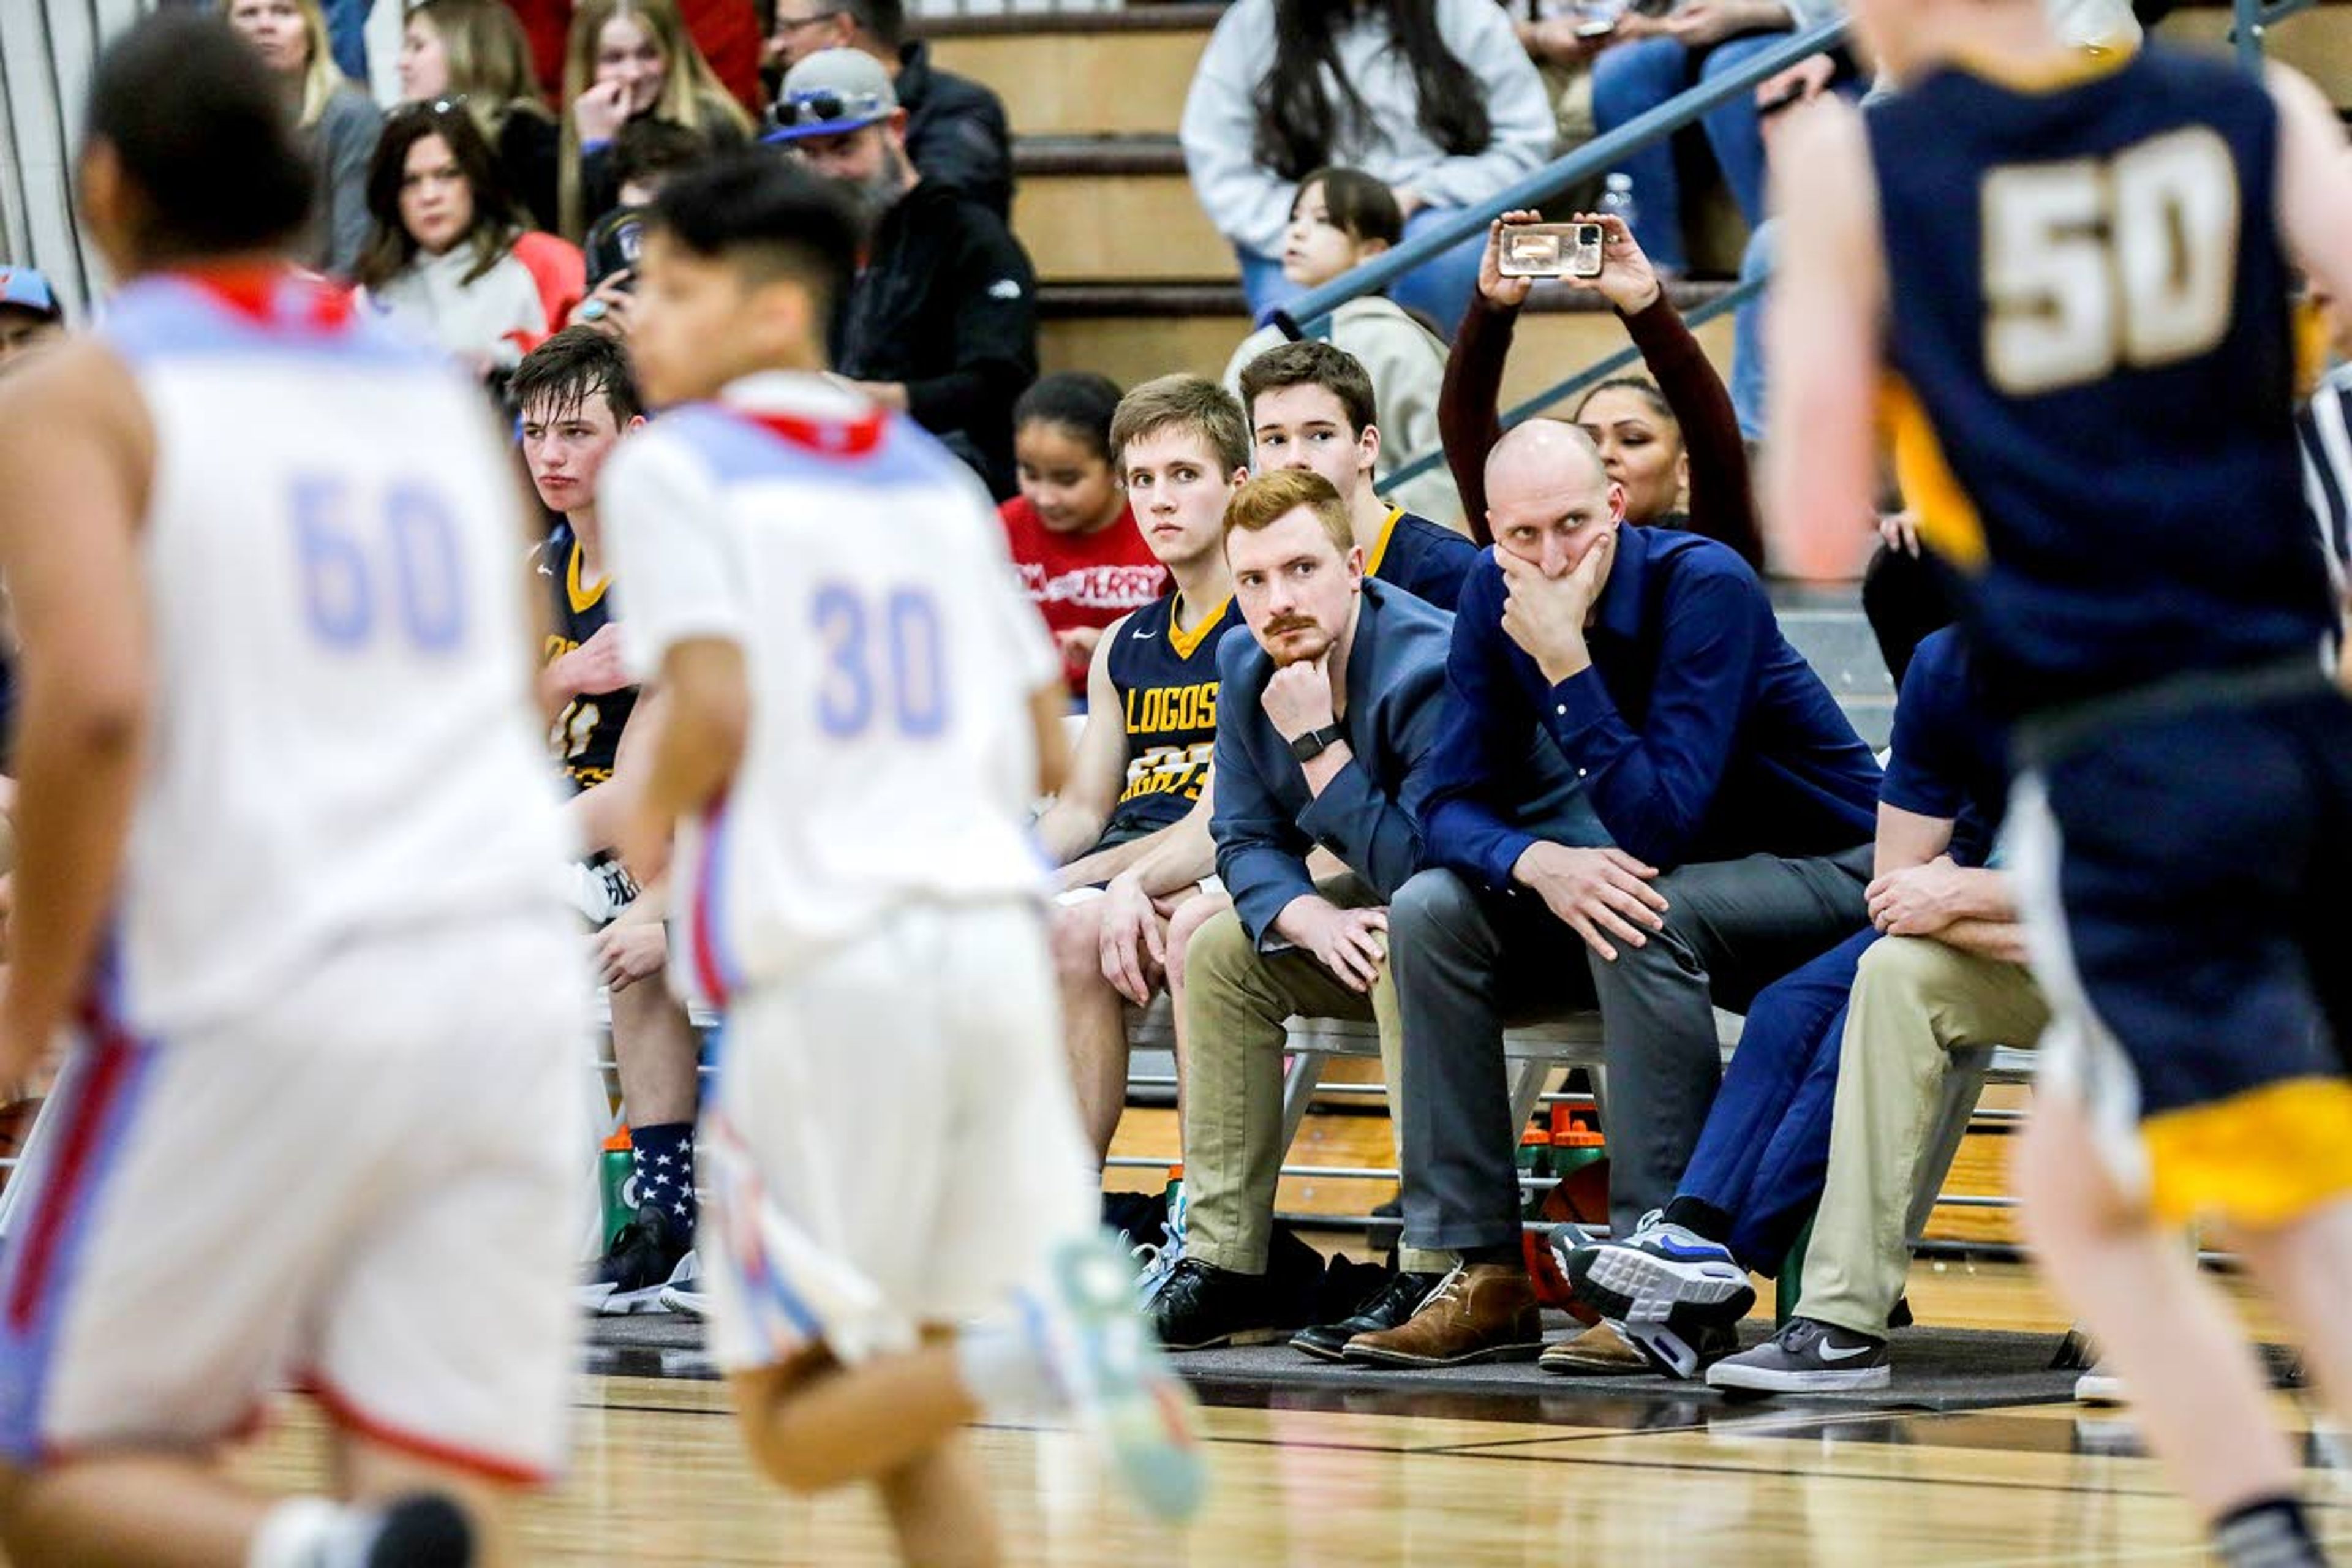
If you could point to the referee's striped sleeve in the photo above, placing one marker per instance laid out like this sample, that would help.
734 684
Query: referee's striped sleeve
2325 428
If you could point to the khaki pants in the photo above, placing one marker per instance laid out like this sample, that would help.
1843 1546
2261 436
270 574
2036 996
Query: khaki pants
1915 1001
1236 1001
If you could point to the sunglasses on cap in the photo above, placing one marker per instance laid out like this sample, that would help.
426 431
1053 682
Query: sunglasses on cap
824 107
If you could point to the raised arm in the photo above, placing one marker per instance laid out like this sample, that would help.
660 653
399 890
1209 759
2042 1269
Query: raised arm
1469 403
1824 335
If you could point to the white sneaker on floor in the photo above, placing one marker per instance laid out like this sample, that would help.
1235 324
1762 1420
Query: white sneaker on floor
2099 1385
684 1292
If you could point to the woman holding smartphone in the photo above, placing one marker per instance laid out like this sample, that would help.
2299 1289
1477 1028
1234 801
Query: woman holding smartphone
1674 444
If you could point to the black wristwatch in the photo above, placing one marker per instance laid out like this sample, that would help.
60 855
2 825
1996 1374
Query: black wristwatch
1315 743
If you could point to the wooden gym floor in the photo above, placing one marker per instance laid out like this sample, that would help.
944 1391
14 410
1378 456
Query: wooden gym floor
658 1479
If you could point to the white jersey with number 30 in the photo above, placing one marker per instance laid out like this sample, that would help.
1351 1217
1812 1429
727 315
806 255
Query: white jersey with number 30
891 658
344 740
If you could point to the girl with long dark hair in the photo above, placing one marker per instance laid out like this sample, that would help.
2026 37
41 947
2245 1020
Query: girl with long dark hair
1434 97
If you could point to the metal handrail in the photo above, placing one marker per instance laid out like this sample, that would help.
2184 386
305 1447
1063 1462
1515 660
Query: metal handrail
1311 310
1723 304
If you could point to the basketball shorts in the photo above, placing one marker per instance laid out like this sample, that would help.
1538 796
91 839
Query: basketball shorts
893 1141
368 1188
2185 878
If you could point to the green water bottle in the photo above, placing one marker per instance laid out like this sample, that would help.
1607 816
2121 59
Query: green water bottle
617 1185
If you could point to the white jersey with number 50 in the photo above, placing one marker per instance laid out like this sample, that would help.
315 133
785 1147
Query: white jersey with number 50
891 658
344 741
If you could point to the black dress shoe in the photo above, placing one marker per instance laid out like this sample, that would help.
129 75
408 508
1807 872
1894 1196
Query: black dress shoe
1204 1308
1387 1307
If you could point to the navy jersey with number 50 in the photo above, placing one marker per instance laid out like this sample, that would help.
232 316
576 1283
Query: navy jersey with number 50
2092 387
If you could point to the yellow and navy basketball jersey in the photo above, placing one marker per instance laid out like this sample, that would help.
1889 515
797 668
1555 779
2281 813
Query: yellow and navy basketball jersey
2092 363
1167 684
1427 560
586 736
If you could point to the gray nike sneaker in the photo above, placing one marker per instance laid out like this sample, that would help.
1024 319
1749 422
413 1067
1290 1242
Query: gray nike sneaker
1806 1357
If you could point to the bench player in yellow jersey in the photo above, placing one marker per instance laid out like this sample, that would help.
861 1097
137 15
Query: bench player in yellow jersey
2065 282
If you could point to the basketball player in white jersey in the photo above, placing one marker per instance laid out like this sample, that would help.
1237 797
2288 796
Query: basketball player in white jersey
288 890
860 705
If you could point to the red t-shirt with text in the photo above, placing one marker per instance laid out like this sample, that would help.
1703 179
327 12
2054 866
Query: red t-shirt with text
1081 578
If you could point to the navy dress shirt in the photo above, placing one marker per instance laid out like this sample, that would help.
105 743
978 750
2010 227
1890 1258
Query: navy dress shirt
1698 732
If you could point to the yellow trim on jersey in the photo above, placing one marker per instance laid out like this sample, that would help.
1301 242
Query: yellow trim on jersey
2079 64
1184 642
1948 518
582 599
2263 1158
1381 545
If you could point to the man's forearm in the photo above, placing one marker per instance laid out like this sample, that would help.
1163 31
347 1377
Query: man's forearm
1985 894
1105 864
1995 939
1178 858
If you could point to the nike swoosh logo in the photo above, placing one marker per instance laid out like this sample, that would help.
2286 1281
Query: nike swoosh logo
1145 637
1689 1254
1830 1352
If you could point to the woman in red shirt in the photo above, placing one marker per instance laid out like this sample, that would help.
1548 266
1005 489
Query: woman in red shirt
1069 529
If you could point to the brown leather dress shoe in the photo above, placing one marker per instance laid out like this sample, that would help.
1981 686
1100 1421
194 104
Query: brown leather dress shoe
1599 1352
1484 1311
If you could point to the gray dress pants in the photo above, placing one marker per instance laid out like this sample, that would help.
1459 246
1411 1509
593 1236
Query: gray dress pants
1468 963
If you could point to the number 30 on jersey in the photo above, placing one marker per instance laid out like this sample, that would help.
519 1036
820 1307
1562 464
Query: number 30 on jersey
2091 265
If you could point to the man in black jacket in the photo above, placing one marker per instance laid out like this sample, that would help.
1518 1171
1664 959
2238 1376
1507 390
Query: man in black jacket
956 130
942 319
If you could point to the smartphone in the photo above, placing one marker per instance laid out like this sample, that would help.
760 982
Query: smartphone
1552 250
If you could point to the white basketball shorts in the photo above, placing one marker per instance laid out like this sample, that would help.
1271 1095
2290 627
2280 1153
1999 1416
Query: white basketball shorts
894 1143
367 1188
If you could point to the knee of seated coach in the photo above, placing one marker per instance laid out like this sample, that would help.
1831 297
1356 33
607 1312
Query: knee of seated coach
1431 904
1915 966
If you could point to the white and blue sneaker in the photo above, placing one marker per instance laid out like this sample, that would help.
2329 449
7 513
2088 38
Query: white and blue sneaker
1667 1287
1118 1381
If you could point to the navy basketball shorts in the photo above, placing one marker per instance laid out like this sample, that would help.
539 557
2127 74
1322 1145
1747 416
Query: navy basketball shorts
2186 879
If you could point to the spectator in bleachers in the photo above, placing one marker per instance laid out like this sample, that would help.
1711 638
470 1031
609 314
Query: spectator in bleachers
1434 97
1132 819
1942 954
956 128
339 122
1070 531
942 321
1311 405
577 400
29 312
1701 39
627 59
644 156
1671 446
442 260
1342 217
1736 804
475 50
1329 710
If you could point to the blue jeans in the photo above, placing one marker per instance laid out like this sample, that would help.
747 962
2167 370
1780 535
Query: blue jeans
1763 1156
1747 384
1632 78
1439 288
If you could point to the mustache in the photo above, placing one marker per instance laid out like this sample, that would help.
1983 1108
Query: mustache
1282 625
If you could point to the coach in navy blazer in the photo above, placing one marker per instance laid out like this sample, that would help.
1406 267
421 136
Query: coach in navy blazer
1326 715
1266 819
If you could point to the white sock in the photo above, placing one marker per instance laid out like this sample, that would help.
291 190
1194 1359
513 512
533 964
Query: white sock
312 1533
1005 1363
